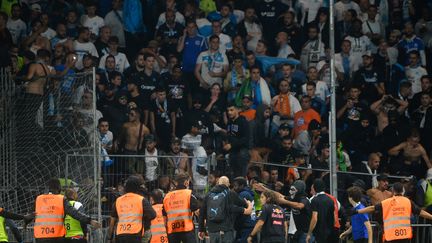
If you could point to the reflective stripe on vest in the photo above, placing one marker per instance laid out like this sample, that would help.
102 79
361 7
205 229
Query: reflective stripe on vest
397 218
177 207
130 214
49 216
157 228
3 232
73 226
428 195
336 211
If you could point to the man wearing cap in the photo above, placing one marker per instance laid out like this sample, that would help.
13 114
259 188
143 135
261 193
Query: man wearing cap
381 192
370 79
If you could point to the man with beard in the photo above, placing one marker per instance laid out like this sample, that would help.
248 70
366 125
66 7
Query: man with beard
410 43
312 50
381 192
284 155
360 43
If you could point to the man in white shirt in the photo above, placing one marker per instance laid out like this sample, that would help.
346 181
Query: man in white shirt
225 42
121 60
414 71
212 65
360 43
371 27
114 20
345 63
312 50
322 90
344 5
91 20
285 50
83 46
16 25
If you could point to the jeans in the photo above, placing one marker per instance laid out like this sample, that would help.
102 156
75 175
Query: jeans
222 237
301 238
184 237
243 234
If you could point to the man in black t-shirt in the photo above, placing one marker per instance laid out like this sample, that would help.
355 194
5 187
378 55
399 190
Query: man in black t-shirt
162 118
322 220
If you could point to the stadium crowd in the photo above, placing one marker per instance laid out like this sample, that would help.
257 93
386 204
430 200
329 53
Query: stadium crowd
236 88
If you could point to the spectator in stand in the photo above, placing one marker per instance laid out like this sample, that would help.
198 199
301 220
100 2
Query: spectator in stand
227 23
236 144
322 90
225 42
303 117
16 26
92 21
410 43
308 140
317 103
426 86
114 20
360 43
285 49
162 118
349 113
101 42
121 60
212 65
235 78
169 33
414 71
381 192
370 167
312 50
285 104
82 46
370 79
178 160
256 87
344 5
250 28
190 45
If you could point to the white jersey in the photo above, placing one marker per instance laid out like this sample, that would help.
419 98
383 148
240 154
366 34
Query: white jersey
311 6
94 23
414 76
84 48
121 62
212 62
322 90
285 51
311 54
341 7
151 165
225 43
179 18
359 45
18 30
49 34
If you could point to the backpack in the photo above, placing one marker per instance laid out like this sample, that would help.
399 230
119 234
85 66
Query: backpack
216 206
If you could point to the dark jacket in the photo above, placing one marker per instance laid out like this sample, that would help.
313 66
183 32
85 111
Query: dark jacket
234 206
245 221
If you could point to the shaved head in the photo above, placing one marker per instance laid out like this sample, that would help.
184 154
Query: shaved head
223 180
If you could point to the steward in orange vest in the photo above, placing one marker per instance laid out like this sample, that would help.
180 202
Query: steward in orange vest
132 212
396 212
178 206
158 224
51 210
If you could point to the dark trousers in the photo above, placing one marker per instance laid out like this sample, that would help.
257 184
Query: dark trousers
184 237
239 161
361 240
50 240
128 239
222 237
68 240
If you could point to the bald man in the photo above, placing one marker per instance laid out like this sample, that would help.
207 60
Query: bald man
219 210
370 167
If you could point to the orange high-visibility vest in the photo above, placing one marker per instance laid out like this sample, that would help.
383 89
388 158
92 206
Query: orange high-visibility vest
130 214
177 208
336 211
49 220
157 228
397 218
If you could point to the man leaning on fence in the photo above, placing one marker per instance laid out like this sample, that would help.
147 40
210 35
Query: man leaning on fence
218 212
396 214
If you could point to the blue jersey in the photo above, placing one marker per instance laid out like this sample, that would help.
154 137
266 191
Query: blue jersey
192 48
359 229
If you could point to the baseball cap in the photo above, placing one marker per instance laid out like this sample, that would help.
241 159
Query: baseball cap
36 7
284 126
314 125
